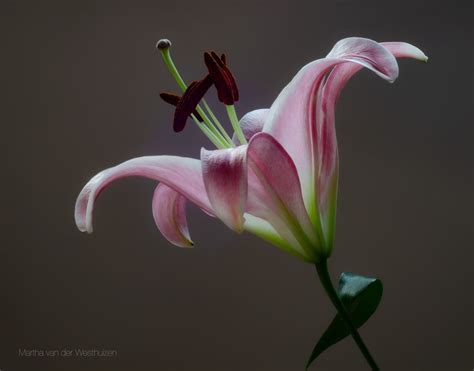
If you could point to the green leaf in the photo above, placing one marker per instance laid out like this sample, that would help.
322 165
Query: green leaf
361 296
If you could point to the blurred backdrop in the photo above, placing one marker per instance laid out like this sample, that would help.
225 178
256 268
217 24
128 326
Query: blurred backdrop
80 93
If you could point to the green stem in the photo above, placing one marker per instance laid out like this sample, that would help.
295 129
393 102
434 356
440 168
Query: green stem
325 278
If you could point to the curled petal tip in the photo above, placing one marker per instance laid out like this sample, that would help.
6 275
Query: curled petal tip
419 55
405 50
163 44
84 205
84 228
367 53
188 245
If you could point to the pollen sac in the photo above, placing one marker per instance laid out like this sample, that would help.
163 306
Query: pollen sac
173 99
186 105
222 78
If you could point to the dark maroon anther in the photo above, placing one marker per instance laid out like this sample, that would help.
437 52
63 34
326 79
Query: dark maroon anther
173 99
188 102
222 78
170 98
224 59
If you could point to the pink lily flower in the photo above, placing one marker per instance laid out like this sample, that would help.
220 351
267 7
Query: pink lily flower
278 177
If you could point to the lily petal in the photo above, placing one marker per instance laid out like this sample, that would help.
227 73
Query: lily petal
169 213
179 173
251 124
225 178
267 232
405 50
325 122
367 53
291 119
275 192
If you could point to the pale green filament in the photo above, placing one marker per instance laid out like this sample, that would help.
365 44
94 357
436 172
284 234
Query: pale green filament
235 124
208 133
216 121
218 137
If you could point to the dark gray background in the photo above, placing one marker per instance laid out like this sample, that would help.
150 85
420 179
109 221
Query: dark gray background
80 84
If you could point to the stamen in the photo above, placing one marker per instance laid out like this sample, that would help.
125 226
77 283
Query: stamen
224 58
217 122
173 99
209 134
189 101
223 79
235 124
216 135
